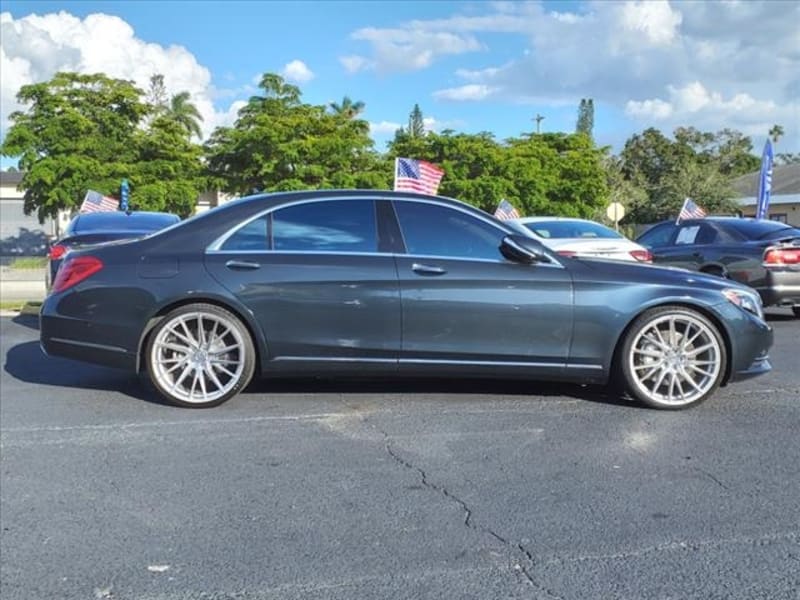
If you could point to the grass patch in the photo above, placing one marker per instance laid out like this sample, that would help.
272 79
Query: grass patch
29 262
12 304
25 307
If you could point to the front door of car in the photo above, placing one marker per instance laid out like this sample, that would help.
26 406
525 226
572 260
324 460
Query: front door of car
689 246
312 275
466 306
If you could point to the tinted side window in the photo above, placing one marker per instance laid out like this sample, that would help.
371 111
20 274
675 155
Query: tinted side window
658 236
251 237
329 226
434 230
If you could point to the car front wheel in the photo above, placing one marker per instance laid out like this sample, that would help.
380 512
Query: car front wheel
672 357
200 355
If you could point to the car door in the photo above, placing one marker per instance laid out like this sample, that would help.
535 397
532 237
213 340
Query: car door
313 275
690 246
466 306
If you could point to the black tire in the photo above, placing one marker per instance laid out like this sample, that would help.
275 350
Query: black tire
663 350
796 311
204 344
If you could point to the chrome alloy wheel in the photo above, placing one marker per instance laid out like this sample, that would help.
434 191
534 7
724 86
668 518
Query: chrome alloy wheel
198 357
675 360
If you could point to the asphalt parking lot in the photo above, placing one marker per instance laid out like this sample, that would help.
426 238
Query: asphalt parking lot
393 489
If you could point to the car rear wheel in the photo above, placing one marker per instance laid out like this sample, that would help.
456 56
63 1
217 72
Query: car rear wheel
200 355
796 311
672 358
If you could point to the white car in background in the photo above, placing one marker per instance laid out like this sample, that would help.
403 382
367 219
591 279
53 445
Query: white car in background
579 237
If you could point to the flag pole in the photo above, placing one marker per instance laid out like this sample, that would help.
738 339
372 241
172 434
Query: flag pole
395 173
678 220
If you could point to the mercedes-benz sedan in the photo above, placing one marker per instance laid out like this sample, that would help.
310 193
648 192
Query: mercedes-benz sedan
385 283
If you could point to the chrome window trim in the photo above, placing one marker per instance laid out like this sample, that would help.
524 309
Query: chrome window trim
216 246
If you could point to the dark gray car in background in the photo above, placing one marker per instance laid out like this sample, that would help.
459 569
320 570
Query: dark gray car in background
384 283
762 254
98 227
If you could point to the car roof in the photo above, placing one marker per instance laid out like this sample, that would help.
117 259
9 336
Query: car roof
121 221
543 219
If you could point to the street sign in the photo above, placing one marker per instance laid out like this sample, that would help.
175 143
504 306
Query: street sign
615 212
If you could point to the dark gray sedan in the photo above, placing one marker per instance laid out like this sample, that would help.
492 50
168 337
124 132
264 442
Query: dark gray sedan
383 283
764 255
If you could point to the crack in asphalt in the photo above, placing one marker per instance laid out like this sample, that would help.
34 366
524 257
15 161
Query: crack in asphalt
468 522
516 548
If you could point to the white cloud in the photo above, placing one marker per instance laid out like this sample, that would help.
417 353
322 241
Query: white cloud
297 71
695 103
666 60
648 109
471 91
34 48
655 18
355 63
384 127
400 50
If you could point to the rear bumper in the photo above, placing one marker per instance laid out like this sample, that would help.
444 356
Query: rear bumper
83 337
782 287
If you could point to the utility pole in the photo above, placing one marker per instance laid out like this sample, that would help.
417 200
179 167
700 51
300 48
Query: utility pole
538 118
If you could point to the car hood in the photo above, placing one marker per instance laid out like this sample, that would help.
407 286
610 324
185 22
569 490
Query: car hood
650 274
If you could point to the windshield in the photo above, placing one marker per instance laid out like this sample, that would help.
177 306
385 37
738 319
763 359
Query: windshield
572 229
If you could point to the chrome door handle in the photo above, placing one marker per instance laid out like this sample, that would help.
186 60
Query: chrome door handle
427 269
242 265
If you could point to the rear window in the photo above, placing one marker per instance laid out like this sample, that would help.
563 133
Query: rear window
571 229
763 229
120 221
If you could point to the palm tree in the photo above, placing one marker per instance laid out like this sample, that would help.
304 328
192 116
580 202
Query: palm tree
185 113
347 109
775 133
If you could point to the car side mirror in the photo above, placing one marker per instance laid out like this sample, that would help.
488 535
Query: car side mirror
522 249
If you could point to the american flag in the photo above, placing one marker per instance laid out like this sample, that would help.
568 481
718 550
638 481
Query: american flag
96 202
690 210
416 176
505 211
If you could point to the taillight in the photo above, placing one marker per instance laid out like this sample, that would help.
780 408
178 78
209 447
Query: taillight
642 255
782 256
57 252
75 270
567 253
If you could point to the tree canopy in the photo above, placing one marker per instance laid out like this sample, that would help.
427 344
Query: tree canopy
83 132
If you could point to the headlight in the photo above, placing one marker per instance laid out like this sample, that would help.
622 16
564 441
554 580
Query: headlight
749 301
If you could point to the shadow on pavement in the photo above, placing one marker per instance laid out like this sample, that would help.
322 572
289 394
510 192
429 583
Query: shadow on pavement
462 387
26 362
29 321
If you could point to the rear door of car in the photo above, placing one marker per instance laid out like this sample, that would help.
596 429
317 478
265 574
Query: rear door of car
465 306
320 285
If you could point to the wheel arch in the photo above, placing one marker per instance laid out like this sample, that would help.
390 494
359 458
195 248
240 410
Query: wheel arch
256 335
700 308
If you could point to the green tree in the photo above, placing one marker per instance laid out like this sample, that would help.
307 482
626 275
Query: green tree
281 143
776 133
157 94
585 122
347 108
185 114
416 124
83 132
78 133
695 164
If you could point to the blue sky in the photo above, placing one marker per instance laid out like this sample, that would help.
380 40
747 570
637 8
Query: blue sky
471 66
